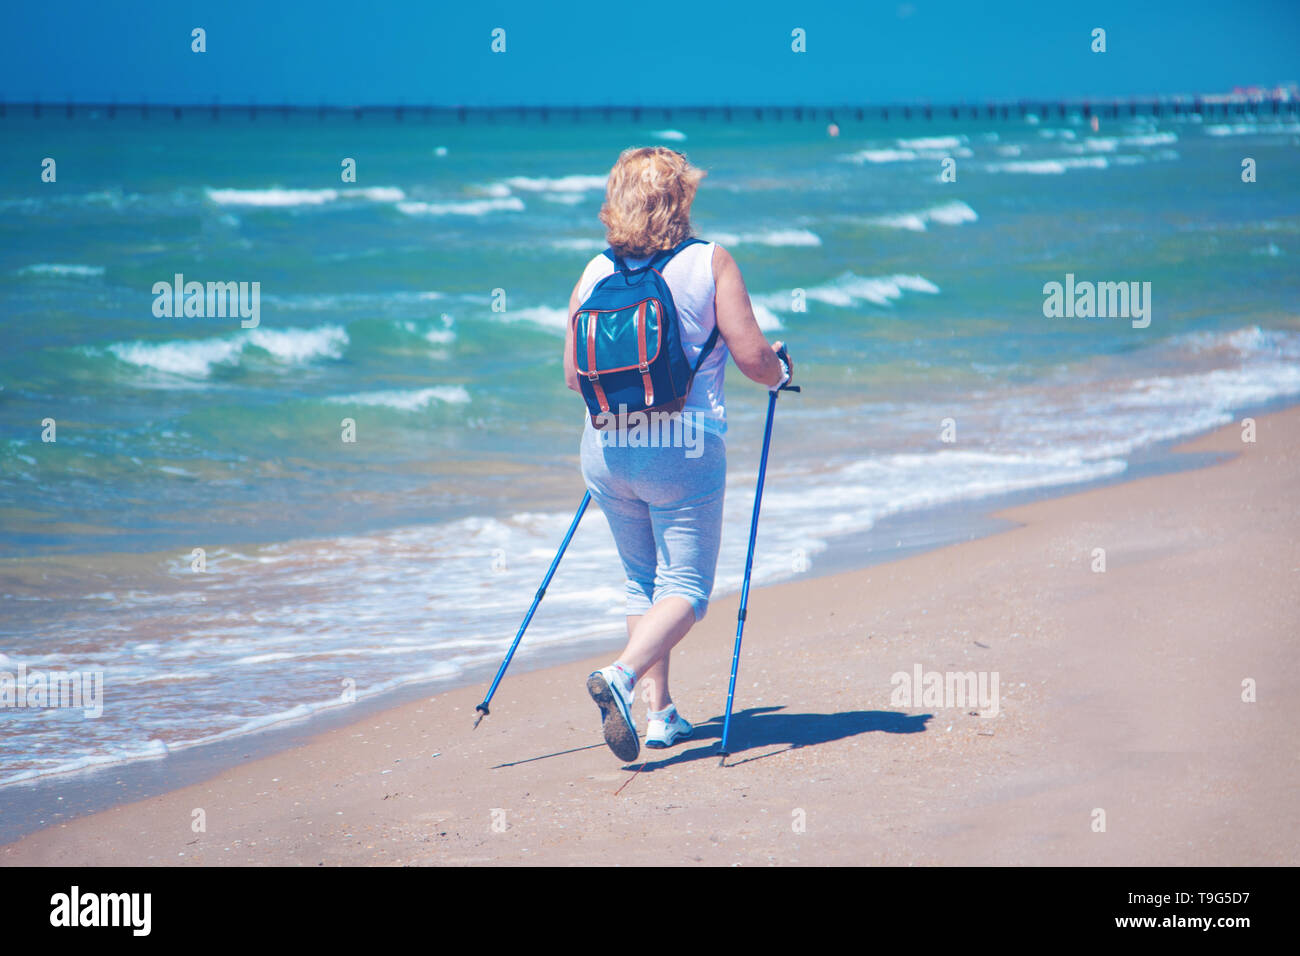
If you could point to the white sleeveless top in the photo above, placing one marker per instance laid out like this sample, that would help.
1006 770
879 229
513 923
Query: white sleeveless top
689 275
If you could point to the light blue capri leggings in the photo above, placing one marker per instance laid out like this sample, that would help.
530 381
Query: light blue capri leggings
665 510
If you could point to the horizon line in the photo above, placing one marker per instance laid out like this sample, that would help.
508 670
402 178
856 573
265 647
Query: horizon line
1284 92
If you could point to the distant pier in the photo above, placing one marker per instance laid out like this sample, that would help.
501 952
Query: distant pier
1216 107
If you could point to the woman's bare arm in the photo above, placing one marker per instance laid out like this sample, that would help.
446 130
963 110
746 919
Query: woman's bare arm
570 370
736 323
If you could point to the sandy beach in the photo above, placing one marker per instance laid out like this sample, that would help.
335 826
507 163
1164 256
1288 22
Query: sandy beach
1121 734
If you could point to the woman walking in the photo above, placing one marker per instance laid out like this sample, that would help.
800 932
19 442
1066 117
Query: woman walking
664 507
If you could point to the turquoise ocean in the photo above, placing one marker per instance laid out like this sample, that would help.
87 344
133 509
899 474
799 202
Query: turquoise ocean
410 555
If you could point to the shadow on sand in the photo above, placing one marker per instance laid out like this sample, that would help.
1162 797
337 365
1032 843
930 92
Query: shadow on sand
761 727
758 728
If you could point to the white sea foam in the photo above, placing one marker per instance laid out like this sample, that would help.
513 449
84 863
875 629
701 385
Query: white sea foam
1223 388
562 184
1095 144
196 358
406 400
462 207
932 142
1246 341
264 658
877 155
855 496
1049 167
578 245
767 237
768 320
672 135
952 213
849 289
300 345
272 197
948 214
1251 129
152 749
156 748
881 156
193 358
548 316
844 291
1150 139
378 193
276 197
62 269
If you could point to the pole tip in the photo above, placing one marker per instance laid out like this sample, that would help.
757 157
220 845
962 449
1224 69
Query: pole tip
478 717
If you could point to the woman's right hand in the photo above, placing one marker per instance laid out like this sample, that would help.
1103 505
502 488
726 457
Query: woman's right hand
783 356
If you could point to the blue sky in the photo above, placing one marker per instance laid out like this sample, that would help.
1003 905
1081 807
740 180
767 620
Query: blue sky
586 53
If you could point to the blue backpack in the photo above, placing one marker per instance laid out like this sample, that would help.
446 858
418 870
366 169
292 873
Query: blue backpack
628 344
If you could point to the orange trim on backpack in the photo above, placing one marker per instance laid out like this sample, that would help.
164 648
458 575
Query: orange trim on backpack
594 377
644 366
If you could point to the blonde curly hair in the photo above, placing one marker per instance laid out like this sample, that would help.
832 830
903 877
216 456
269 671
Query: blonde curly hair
648 200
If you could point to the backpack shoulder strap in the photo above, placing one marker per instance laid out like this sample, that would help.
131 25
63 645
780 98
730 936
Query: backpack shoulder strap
709 343
619 264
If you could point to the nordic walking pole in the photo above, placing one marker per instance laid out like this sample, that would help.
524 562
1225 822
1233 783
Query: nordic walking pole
749 566
482 709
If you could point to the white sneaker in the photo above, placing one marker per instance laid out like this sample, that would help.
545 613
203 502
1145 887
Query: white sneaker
665 731
610 689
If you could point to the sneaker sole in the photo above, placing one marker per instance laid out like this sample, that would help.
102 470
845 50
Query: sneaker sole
619 734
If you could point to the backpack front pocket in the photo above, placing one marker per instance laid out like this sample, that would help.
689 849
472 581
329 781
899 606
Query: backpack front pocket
618 340
609 341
